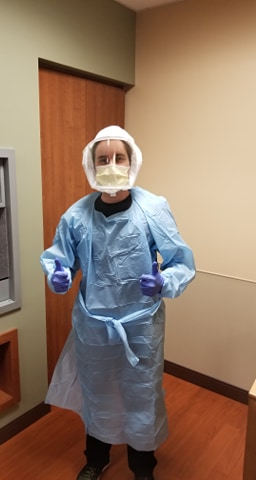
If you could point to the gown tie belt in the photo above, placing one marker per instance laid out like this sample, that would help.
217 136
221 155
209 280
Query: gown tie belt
116 332
115 328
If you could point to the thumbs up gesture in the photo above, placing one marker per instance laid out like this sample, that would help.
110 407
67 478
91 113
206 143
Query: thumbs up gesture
60 278
150 285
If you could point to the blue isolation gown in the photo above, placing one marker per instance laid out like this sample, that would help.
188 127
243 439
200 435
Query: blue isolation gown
111 367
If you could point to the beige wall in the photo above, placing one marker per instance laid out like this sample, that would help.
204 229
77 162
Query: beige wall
193 113
95 36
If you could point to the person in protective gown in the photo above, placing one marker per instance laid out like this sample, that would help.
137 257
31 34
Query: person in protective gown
111 368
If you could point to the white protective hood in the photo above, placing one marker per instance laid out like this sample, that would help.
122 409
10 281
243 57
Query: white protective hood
112 133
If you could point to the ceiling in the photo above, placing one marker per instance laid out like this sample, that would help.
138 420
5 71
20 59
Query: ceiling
138 5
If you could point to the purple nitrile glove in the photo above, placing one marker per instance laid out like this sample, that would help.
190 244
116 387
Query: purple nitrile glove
60 278
150 285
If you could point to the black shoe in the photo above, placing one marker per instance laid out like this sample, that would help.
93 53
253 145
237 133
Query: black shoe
144 477
91 473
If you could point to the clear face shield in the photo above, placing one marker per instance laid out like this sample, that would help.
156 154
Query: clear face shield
112 160
112 165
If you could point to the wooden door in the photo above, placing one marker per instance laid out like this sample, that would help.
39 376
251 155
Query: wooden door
72 110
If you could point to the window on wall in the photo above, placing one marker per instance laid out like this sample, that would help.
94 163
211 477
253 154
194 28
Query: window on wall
9 251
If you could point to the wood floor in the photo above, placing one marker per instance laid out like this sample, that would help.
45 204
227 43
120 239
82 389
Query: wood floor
206 442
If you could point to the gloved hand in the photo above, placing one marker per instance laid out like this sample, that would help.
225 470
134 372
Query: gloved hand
150 285
60 278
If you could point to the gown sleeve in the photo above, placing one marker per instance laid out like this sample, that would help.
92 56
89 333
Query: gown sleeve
63 248
178 266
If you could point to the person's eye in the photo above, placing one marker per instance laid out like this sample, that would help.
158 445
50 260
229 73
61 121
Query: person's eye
102 161
120 159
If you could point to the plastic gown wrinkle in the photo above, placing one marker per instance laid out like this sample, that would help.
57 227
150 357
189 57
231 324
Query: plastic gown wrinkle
65 389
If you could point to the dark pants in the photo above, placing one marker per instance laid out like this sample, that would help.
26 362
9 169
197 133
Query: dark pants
98 454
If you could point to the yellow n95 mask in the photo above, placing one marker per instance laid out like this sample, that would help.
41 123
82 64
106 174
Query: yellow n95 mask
112 175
